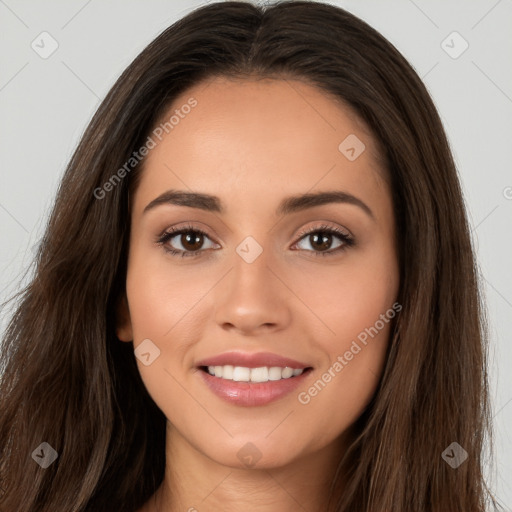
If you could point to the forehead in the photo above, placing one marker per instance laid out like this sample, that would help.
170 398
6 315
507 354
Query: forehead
260 138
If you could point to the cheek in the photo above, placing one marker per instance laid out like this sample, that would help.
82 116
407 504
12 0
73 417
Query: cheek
347 298
161 297
165 307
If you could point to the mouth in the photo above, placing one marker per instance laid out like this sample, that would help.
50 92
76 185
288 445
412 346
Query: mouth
252 379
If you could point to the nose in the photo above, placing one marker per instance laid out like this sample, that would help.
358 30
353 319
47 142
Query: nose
252 298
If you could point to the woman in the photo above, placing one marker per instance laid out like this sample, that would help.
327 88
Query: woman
256 290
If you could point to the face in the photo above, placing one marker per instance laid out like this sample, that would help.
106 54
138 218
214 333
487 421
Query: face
250 278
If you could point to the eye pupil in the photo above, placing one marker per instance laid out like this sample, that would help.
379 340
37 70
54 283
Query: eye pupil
192 241
321 241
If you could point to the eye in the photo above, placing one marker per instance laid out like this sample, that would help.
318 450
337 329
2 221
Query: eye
184 242
321 239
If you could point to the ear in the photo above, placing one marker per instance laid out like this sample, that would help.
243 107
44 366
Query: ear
123 321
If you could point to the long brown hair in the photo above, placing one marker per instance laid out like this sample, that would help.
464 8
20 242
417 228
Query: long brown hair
68 381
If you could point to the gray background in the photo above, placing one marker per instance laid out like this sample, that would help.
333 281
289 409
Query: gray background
45 104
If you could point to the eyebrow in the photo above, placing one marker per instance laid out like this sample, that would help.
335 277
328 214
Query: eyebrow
288 205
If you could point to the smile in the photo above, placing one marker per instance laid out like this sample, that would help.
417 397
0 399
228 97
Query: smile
248 380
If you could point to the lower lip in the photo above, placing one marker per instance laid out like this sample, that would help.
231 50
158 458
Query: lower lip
250 394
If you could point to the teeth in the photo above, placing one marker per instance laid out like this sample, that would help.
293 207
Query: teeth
287 373
259 374
275 373
241 374
262 374
227 372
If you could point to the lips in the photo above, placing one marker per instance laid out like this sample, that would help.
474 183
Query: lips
230 376
251 360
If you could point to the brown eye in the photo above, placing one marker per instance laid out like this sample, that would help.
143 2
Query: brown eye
321 240
185 242
191 240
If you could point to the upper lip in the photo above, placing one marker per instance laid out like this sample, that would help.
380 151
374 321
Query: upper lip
255 360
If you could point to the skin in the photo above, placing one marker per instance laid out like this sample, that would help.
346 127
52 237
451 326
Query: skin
252 143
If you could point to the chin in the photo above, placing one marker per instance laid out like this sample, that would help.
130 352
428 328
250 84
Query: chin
253 452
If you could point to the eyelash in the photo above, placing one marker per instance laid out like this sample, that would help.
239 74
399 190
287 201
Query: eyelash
162 239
